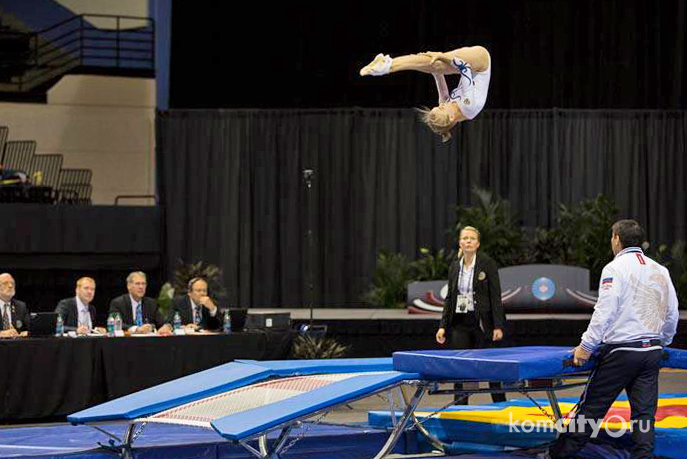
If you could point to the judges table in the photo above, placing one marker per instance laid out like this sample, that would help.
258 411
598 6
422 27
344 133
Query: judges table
48 378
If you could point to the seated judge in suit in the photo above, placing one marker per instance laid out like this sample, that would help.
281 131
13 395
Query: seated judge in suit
196 308
78 311
14 313
138 312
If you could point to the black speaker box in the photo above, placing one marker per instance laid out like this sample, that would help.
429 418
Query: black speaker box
238 318
268 320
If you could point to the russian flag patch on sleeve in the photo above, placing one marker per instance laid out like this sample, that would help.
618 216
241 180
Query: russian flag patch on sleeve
606 283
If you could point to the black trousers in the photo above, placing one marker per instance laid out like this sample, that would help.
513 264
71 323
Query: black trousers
637 373
471 337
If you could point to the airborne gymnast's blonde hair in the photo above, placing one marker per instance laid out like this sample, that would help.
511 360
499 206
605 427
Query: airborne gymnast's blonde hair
438 121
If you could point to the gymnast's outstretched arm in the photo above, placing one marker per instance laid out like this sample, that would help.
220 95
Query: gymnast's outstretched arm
442 88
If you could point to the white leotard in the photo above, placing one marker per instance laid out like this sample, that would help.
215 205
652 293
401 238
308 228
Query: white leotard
472 89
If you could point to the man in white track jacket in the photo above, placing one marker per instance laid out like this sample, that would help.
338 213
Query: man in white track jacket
635 316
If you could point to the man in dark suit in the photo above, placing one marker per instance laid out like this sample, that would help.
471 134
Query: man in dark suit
78 311
14 314
138 312
196 308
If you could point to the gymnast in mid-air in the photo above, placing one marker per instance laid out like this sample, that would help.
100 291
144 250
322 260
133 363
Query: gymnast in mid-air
472 64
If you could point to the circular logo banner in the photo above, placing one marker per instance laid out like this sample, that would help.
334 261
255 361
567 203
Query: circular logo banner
543 289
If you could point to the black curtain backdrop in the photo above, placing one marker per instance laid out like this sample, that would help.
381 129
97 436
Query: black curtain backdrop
563 53
232 187
47 248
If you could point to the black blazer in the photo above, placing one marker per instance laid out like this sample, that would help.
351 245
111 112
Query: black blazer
20 315
182 305
486 288
151 311
70 313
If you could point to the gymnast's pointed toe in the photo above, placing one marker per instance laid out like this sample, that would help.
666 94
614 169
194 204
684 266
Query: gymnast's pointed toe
380 65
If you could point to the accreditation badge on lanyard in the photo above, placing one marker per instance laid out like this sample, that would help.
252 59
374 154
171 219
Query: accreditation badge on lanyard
464 299
464 303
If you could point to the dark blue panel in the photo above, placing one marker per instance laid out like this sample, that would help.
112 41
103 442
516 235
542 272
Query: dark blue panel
503 364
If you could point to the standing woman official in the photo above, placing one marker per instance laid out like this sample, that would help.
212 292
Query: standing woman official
473 315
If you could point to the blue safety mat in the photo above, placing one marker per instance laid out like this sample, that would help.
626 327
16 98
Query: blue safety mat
497 364
214 381
250 422
503 364
676 358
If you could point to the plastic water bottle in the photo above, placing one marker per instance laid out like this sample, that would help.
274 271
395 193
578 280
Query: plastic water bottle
227 323
177 321
110 325
117 322
59 326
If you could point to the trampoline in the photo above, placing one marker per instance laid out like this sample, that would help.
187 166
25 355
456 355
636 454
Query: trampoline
245 401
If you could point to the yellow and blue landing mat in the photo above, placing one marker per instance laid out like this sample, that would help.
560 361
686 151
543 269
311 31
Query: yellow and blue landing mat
521 424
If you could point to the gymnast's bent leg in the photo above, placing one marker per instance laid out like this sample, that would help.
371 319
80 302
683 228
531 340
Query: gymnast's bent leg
384 64
476 57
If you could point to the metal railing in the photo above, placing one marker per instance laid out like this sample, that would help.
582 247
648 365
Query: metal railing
119 42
